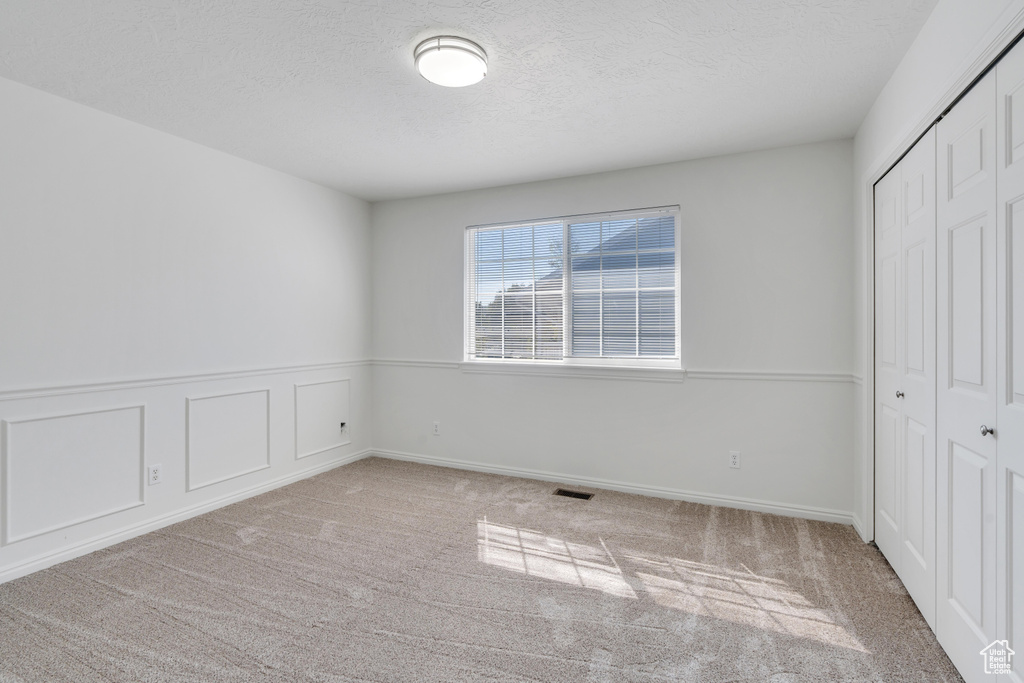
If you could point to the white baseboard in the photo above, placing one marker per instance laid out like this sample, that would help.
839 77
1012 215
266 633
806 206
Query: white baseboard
126 533
858 524
785 509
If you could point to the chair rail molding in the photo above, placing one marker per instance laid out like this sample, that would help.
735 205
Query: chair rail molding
618 372
146 382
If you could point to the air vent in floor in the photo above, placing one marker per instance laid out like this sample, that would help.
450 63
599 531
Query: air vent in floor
573 494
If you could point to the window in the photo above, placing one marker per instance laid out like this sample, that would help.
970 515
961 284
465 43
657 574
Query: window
598 289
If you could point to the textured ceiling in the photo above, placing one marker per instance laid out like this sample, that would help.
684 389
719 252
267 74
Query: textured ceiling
326 89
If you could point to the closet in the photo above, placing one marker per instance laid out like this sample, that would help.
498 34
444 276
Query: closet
949 371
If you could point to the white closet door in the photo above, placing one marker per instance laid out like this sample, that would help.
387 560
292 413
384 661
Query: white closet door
905 371
966 374
888 359
917 381
1010 419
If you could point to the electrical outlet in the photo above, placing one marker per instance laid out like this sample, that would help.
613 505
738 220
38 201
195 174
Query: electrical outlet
437 428
734 459
343 424
156 474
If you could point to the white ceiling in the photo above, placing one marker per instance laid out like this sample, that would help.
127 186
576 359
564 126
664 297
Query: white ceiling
326 89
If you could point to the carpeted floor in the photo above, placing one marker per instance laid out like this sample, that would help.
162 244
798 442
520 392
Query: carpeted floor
391 571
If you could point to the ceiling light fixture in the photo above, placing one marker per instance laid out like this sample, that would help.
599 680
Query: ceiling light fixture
450 61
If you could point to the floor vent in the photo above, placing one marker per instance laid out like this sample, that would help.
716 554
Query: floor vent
573 494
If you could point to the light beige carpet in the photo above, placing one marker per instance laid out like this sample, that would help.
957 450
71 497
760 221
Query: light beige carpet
390 571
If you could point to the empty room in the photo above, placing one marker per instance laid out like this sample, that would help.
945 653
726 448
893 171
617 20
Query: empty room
548 340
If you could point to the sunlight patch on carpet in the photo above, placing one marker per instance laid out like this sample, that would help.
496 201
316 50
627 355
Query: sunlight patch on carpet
741 598
534 554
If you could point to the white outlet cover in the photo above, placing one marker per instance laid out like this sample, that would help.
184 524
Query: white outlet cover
154 474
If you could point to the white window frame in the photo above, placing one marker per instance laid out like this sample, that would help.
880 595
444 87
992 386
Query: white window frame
568 361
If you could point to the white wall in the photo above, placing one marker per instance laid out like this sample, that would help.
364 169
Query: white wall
766 283
141 274
959 39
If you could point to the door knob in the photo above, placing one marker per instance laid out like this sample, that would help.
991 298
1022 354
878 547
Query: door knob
985 431
899 394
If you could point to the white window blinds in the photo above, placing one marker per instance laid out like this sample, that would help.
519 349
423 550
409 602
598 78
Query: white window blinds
587 287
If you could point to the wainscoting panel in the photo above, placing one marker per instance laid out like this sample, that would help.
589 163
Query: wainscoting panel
228 436
73 469
320 408
63 470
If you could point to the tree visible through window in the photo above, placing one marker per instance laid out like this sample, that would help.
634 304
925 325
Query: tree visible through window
588 287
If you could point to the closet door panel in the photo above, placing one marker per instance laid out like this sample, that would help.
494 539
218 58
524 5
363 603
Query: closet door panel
890 354
888 331
887 447
1015 266
918 311
966 545
1013 592
967 159
1010 417
917 376
917 517
966 533
966 333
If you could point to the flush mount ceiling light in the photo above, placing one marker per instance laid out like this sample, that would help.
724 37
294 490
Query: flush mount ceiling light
450 61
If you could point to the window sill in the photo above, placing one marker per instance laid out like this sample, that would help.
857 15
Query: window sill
631 373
